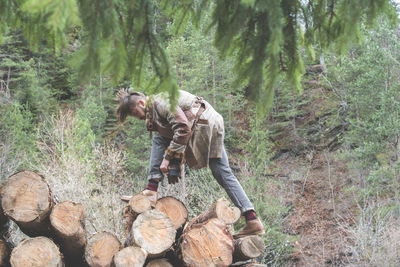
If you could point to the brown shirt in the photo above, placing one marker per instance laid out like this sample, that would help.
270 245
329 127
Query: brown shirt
205 141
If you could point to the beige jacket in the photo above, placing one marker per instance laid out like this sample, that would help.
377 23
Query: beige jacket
205 141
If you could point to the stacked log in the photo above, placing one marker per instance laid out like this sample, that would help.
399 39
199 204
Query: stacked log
159 263
174 209
207 244
248 247
38 251
152 238
68 220
101 249
130 257
154 232
26 199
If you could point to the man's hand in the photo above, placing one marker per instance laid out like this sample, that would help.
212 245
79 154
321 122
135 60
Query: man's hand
164 166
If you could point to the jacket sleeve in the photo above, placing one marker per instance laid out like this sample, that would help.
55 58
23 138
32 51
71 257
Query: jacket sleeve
181 131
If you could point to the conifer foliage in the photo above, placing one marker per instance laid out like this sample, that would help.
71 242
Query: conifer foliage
119 36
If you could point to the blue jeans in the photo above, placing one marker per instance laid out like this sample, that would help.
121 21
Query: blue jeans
219 168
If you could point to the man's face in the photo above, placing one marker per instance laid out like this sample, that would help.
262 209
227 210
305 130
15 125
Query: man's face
138 112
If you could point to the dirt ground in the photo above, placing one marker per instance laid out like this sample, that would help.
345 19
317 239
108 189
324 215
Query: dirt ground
321 208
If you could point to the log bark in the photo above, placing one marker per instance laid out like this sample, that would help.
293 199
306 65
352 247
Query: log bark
248 247
26 199
174 209
68 220
38 251
130 257
159 263
136 205
154 232
101 249
221 210
207 244
5 251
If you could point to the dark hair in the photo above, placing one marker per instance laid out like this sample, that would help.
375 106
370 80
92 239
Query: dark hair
126 102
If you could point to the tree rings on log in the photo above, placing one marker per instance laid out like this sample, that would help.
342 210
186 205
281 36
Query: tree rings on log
27 200
36 252
130 257
248 247
174 209
136 205
68 220
221 209
101 249
159 263
207 244
154 232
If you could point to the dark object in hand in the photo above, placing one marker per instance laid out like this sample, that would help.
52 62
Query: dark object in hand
174 171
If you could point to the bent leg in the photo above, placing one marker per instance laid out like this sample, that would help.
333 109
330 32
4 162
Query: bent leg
223 173
158 146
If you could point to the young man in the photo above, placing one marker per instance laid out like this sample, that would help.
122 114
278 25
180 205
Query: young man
193 132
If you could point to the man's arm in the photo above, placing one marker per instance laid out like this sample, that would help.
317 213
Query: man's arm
182 132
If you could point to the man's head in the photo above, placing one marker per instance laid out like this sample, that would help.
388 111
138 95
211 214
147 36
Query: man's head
131 104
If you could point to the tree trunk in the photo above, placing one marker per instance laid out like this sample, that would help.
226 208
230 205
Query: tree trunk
5 251
101 249
68 221
248 247
26 198
130 257
38 251
174 209
154 232
159 263
136 205
221 210
207 244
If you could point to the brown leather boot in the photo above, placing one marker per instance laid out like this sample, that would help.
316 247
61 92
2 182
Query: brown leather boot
253 227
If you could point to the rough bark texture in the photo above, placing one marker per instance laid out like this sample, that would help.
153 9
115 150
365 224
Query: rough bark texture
5 251
130 257
248 247
101 249
159 263
36 252
137 205
27 200
174 209
221 210
207 244
154 232
68 221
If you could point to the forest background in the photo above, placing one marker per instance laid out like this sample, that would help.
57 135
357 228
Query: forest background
322 166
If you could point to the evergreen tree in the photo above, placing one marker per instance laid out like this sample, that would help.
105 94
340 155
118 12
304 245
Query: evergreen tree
265 36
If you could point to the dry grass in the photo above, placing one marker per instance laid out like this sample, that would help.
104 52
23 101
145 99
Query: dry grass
374 240
95 181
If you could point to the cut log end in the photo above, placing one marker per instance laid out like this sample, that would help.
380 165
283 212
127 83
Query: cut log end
224 212
38 251
27 200
159 263
249 247
154 232
130 257
68 220
174 209
101 248
209 244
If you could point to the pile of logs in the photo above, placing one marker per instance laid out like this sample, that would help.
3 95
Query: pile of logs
155 236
